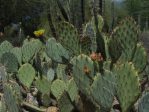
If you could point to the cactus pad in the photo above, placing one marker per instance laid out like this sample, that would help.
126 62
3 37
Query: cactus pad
126 37
5 47
2 105
30 48
57 88
72 89
140 58
18 53
10 61
64 103
103 90
10 99
43 85
26 74
144 103
83 72
60 71
56 51
69 38
128 87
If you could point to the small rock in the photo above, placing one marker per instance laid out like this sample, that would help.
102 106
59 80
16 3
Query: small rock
52 109
31 99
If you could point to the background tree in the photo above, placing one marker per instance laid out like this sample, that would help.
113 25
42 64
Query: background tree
139 9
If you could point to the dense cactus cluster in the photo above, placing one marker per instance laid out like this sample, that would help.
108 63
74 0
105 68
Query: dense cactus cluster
61 73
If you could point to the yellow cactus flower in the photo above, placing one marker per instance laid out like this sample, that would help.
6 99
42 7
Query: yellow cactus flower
39 33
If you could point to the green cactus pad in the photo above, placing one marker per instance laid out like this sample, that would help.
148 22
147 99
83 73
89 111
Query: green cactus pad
64 103
144 103
125 36
43 85
16 91
89 30
106 41
10 99
72 89
60 71
107 65
2 105
46 100
3 74
56 51
30 48
88 42
5 47
100 23
82 78
57 88
86 45
18 53
103 89
50 74
140 58
146 71
12 95
69 38
128 87
26 74
115 49
10 61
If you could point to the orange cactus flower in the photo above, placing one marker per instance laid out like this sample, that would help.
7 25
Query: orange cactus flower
93 56
96 57
99 57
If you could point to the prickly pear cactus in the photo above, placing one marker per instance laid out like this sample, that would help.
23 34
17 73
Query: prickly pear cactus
115 49
26 74
3 74
83 72
144 103
10 61
140 58
90 31
100 23
18 53
50 74
43 85
107 65
5 47
103 89
86 45
2 105
69 38
10 93
16 91
64 103
10 99
72 89
45 99
125 36
57 88
88 41
106 41
128 87
56 51
29 49
60 71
